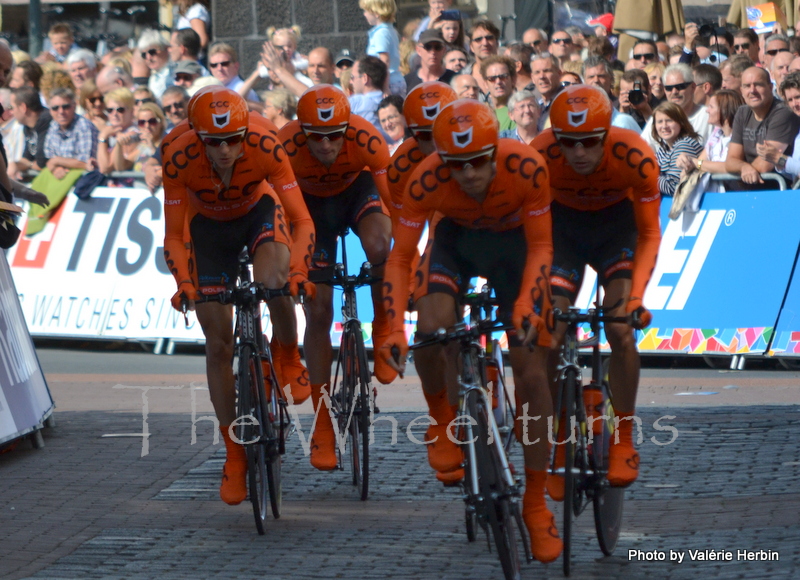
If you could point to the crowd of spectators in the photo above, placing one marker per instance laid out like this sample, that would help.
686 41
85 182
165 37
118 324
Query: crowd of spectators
724 102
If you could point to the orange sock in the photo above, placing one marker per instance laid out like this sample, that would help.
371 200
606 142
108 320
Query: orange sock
290 370
546 545
380 332
233 489
323 440
443 454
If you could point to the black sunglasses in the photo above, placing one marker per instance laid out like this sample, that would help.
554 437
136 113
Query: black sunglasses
218 141
225 63
644 56
535 43
743 46
500 77
320 137
433 46
173 106
475 162
58 108
151 52
585 142
562 41
487 38
678 87
96 100
144 122
775 51
143 101
118 110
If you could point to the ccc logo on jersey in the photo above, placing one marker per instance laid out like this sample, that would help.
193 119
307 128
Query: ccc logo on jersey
527 167
635 158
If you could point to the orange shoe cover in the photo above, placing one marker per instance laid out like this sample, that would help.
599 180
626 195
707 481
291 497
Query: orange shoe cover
443 455
555 483
380 332
451 478
623 460
323 440
546 545
290 370
233 489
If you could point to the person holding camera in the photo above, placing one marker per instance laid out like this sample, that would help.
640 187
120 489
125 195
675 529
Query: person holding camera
634 97
598 72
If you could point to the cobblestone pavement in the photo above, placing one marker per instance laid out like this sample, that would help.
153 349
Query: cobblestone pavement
88 506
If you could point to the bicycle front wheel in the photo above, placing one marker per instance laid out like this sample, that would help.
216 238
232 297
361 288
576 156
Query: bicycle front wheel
251 431
567 411
274 445
355 382
607 501
496 496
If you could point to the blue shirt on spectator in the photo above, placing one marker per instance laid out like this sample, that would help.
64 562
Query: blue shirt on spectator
78 141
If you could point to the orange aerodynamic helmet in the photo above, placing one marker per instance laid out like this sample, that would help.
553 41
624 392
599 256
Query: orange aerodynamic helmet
193 100
424 102
323 106
465 128
580 109
219 111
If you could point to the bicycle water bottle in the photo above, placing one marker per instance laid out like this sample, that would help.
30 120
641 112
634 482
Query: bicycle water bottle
593 402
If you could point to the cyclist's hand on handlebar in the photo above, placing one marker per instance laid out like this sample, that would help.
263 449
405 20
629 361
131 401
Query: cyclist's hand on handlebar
299 283
528 326
185 297
641 317
394 351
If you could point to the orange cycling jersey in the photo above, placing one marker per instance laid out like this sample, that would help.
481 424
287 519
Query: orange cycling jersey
519 195
192 186
363 147
628 170
405 160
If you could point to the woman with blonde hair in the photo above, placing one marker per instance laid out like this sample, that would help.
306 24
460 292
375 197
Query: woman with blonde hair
655 73
193 14
92 103
119 137
54 77
152 126
675 136
280 106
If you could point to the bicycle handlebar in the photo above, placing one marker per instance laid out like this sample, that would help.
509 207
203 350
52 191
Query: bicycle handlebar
336 276
592 316
462 332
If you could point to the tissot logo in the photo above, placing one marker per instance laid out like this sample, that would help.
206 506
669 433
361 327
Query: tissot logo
325 114
577 118
463 138
221 121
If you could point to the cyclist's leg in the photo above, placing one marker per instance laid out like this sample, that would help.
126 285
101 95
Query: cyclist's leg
624 382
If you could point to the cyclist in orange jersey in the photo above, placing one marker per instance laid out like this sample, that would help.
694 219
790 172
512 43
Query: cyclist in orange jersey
606 205
215 184
494 196
340 162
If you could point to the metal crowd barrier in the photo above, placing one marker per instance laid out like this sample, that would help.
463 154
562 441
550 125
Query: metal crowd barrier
781 181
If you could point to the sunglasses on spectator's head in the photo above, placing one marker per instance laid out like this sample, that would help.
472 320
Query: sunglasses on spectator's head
743 46
678 87
644 56
152 121
585 142
224 63
562 41
318 137
58 108
487 38
151 52
775 51
94 101
175 106
218 141
142 101
118 110
422 134
475 162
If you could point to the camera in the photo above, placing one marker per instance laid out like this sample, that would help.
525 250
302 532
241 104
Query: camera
636 96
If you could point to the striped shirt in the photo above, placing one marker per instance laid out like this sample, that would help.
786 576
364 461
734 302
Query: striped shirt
667 157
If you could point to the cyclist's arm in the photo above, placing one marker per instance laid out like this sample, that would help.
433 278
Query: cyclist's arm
537 223
647 208
410 225
176 251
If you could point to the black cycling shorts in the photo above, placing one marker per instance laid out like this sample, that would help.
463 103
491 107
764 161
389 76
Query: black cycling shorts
217 244
604 239
332 215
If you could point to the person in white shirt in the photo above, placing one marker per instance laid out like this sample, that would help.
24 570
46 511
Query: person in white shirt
223 61
154 50
679 87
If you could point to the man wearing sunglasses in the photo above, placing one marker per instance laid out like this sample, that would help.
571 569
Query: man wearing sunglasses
644 52
230 183
71 140
679 87
431 51
483 44
154 50
35 120
174 102
340 161
536 38
492 195
745 41
561 46
500 75
223 62
775 44
606 205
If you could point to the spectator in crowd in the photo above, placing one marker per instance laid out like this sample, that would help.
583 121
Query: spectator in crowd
602 47
579 43
431 51
93 105
500 76
119 138
524 112
223 61
27 73
674 136
521 55
174 102
707 81
280 106
569 78
184 45
562 47
644 53
320 66
536 38
62 41
764 119
153 49
54 78
722 107
435 9
285 40
545 72
775 43
71 140
655 77
642 110
142 95
11 135
483 43
794 66
456 60
152 127
732 70
745 42
779 68
276 60
369 76
451 26
788 163
680 88
346 82
343 62
466 87
383 41
186 72
193 14
82 66
35 121
597 72
113 77
393 123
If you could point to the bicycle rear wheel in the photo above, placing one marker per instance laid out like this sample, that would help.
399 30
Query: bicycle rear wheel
274 446
496 495
363 412
568 387
607 501
251 432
